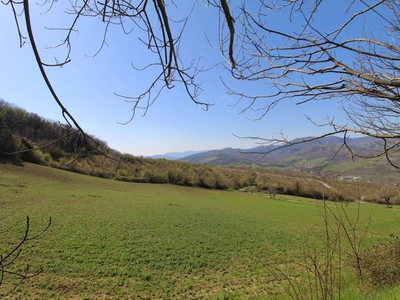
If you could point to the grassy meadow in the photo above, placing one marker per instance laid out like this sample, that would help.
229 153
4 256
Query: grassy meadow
118 240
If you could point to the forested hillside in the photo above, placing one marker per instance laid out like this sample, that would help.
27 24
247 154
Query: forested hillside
21 130
28 137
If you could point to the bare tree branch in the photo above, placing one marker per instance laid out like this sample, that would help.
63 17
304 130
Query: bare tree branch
307 60
347 62
7 260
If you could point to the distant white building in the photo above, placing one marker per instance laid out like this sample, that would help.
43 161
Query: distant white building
350 178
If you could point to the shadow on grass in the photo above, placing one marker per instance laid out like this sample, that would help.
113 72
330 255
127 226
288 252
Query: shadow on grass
11 160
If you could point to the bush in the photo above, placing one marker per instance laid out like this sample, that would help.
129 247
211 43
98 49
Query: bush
36 157
175 176
47 158
55 152
122 173
155 177
220 184
381 263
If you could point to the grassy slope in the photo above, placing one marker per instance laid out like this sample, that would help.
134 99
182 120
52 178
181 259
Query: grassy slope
125 240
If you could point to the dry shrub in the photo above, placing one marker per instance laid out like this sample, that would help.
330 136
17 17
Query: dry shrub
36 156
381 263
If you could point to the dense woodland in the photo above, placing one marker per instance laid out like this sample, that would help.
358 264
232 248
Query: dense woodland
28 137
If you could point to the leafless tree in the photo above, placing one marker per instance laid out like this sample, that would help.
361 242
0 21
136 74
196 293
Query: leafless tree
323 55
273 190
319 55
387 193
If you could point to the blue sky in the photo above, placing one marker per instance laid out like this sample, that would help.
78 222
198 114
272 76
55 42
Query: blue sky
87 84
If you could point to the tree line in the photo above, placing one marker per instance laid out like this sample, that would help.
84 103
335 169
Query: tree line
28 137
35 139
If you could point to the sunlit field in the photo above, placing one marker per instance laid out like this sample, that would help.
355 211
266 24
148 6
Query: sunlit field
119 240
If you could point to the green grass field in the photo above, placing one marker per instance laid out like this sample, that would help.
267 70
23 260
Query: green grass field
118 240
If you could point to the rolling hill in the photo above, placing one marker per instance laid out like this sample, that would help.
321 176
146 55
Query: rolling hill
23 136
307 153
326 156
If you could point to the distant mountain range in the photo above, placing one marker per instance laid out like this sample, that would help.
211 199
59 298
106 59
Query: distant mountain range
307 153
325 156
176 155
